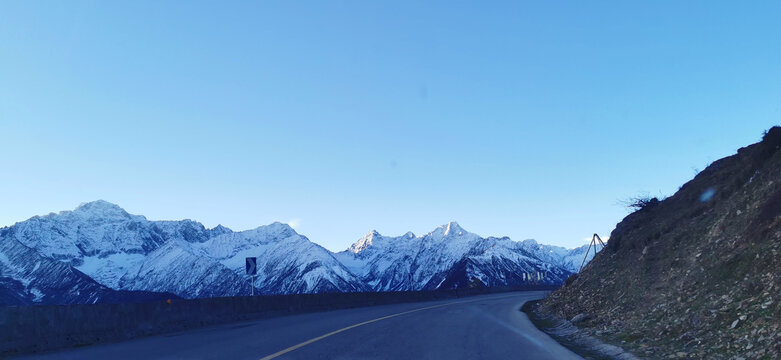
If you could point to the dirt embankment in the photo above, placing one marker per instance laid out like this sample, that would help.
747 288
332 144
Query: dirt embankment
697 275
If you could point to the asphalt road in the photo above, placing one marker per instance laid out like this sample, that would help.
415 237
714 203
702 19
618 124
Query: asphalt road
479 327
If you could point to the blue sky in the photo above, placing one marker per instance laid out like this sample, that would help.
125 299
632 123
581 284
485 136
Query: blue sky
520 119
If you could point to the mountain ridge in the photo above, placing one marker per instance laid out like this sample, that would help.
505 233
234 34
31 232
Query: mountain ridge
126 252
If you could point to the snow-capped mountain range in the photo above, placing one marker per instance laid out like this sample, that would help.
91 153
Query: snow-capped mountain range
100 253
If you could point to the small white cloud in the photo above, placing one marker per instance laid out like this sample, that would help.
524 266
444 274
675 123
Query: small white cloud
294 223
604 239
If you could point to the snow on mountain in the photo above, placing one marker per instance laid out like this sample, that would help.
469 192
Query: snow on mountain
451 257
287 261
128 252
374 254
99 251
178 267
27 277
570 259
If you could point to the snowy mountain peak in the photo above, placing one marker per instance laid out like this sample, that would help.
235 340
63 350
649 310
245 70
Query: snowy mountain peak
453 228
120 251
450 229
101 208
530 242
375 239
450 257
115 250
278 229
220 230
364 242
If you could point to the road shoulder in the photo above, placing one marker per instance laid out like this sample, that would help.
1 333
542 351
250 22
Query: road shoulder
574 339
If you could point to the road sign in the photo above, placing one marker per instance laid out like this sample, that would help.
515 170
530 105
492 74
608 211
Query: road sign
252 266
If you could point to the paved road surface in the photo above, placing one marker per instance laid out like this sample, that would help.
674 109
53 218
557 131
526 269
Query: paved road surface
479 327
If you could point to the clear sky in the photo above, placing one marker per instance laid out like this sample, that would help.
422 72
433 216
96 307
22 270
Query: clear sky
520 119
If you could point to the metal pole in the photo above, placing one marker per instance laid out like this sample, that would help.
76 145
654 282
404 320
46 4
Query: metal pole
600 241
587 251
252 284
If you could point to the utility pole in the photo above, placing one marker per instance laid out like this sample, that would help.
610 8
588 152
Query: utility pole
593 242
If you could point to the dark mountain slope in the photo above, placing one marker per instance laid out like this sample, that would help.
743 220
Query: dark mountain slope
697 275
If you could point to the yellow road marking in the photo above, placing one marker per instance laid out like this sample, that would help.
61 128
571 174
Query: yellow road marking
321 337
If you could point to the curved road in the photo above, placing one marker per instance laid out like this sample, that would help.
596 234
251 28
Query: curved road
478 327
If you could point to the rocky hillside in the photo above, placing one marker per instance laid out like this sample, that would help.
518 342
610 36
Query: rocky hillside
696 275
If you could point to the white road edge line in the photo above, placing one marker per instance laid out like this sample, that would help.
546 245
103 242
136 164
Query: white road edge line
321 337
